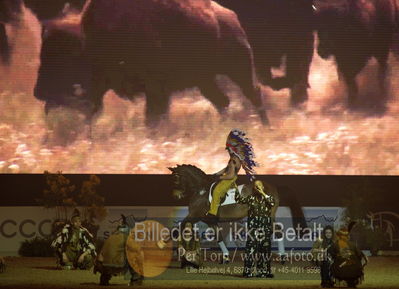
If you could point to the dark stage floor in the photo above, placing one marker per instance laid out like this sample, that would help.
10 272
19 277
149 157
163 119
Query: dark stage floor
382 272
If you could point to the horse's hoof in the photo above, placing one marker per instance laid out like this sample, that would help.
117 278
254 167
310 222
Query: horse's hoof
225 259
104 280
135 282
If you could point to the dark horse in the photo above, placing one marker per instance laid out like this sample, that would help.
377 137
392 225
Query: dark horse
191 182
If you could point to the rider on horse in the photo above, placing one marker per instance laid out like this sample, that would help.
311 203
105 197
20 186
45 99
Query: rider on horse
241 155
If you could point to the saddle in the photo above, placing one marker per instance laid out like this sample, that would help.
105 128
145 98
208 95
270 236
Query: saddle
229 199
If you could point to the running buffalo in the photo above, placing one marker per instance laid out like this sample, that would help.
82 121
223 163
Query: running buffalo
354 31
277 29
151 46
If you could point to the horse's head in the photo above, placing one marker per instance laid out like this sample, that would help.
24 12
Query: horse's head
187 179
179 184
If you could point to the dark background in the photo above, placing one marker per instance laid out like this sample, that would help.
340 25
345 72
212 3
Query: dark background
155 190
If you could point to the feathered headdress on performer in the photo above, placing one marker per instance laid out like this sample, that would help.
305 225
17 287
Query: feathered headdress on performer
238 144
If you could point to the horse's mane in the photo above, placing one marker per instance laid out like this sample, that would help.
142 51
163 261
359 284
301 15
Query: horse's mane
187 168
198 176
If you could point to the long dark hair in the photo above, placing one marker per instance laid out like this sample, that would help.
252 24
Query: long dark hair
323 234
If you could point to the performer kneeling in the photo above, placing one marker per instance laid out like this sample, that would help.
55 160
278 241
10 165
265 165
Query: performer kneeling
112 259
348 260
258 246
74 246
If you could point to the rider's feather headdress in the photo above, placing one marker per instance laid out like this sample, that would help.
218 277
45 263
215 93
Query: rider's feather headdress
238 144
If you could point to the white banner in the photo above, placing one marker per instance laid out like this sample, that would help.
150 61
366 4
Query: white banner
20 223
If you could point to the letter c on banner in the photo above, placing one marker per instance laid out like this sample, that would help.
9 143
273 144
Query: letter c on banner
2 232
40 228
22 225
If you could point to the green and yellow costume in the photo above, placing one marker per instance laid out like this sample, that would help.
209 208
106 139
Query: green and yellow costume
239 146
73 242
220 192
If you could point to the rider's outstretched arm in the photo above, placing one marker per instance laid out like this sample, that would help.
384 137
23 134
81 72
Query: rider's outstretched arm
229 172
221 172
